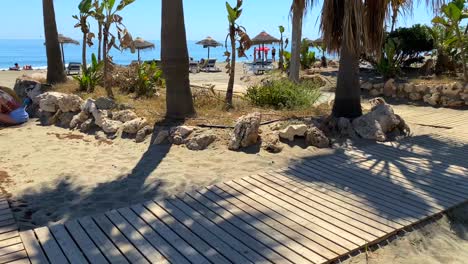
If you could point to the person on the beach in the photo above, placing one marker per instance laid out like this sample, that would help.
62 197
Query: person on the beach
15 68
12 112
273 54
266 53
259 54
255 54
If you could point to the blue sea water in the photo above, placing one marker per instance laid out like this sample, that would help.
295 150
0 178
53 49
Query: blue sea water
32 52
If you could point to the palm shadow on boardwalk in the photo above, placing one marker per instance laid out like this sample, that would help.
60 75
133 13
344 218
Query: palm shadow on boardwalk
281 216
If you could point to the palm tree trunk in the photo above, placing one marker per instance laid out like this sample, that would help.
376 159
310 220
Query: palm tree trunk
109 91
348 91
55 68
295 63
175 60
99 42
83 55
232 71
281 51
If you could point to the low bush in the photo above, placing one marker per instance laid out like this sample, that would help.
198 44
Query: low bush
90 76
283 93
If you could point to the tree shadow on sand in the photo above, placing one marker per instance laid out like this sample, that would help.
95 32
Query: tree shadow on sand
259 219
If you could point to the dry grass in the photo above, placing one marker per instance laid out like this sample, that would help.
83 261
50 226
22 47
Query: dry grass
209 106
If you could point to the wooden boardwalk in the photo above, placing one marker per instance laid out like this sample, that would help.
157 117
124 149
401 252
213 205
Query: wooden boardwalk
11 246
315 211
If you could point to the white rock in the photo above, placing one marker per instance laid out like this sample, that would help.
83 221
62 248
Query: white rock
408 88
271 143
315 137
415 96
366 86
142 133
124 116
133 126
49 101
390 88
421 88
375 124
78 119
375 92
432 99
453 90
109 125
245 131
292 131
201 141
70 103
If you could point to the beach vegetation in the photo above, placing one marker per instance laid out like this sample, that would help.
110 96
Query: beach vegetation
281 48
86 10
98 15
120 40
307 57
284 94
298 10
451 17
56 69
175 61
90 76
399 7
148 78
237 35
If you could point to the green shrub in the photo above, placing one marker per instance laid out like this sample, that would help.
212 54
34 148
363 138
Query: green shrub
90 76
307 57
284 94
149 77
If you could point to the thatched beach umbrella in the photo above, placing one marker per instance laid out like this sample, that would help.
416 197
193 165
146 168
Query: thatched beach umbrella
208 42
66 40
264 38
141 44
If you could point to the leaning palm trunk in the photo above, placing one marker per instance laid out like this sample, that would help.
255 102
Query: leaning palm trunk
105 77
99 41
55 68
175 60
83 55
348 91
232 71
295 64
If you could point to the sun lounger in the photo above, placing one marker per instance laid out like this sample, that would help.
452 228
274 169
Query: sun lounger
258 67
209 66
194 66
73 68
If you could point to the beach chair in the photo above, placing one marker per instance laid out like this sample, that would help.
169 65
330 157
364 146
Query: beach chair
194 66
73 68
210 66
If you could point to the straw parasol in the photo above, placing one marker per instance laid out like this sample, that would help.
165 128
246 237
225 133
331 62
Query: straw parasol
141 44
317 42
264 38
208 42
66 40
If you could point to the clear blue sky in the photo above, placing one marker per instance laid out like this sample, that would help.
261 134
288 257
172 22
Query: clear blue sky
23 19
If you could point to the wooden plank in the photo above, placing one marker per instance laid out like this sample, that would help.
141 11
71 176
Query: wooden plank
432 180
8 235
205 234
136 238
333 200
177 242
89 249
7 222
11 249
72 252
234 226
10 241
15 256
105 245
414 206
395 177
34 250
376 206
326 215
8 228
119 240
320 177
50 246
295 231
316 197
282 244
20 261
205 220
6 216
166 249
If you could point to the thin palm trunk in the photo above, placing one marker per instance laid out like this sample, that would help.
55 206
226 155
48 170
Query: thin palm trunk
295 64
175 60
463 54
232 71
348 92
83 56
99 41
55 68
109 91
281 52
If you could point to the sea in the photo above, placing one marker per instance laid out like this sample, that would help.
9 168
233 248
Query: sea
32 52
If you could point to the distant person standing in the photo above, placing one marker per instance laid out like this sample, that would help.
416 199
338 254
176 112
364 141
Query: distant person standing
259 54
266 53
273 54
255 54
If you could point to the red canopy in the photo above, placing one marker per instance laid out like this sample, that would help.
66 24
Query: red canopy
262 49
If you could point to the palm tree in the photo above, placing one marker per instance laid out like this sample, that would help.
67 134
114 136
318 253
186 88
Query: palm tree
55 68
298 10
351 27
402 6
98 14
175 60
82 22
